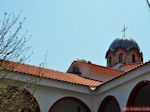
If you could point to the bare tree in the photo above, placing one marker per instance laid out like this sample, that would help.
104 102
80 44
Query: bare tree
13 48
12 42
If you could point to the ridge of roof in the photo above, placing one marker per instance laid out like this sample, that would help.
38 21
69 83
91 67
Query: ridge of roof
50 74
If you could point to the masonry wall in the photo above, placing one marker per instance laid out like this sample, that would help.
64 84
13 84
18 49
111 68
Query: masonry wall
127 57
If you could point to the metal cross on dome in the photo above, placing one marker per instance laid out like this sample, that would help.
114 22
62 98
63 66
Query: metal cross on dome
124 30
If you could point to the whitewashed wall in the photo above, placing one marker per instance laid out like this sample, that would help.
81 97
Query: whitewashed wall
121 87
49 91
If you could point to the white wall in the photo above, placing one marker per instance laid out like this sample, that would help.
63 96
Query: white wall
121 90
49 91
48 96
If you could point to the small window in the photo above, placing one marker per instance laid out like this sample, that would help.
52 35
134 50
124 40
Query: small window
110 60
133 58
75 70
120 58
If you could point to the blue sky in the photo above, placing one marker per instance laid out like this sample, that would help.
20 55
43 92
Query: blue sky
80 29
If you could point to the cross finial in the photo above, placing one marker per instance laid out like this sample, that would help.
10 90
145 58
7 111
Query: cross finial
124 30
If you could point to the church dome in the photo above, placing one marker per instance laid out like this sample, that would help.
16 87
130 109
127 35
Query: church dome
124 42
120 53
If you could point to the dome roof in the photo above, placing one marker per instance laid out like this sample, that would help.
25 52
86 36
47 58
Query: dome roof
124 42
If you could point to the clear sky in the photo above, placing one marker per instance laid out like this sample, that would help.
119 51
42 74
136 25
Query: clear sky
80 29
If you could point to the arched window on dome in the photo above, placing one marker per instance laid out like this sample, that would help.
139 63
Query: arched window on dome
133 58
120 58
110 60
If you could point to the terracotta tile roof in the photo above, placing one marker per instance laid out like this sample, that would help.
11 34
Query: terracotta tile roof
50 74
101 69
65 77
128 67
124 73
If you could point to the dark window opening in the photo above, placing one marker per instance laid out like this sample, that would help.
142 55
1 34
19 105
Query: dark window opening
110 60
133 58
79 109
120 58
109 104
75 70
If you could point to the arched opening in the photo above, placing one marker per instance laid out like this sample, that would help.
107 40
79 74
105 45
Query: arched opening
140 95
69 104
13 99
109 104
120 58
133 58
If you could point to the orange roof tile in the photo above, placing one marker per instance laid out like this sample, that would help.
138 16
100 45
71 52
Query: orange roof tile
101 69
129 66
66 77
50 74
124 73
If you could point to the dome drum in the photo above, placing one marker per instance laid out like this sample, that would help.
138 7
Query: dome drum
127 51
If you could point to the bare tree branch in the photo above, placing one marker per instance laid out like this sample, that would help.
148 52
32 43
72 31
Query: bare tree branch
148 3
13 48
12 43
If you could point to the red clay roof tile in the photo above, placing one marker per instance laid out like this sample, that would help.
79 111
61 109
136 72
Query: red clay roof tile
101 69
65 77
51 74
124 73
128 67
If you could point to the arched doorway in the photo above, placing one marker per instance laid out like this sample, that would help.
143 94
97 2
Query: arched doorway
109 104
69 104
140 95
13 99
